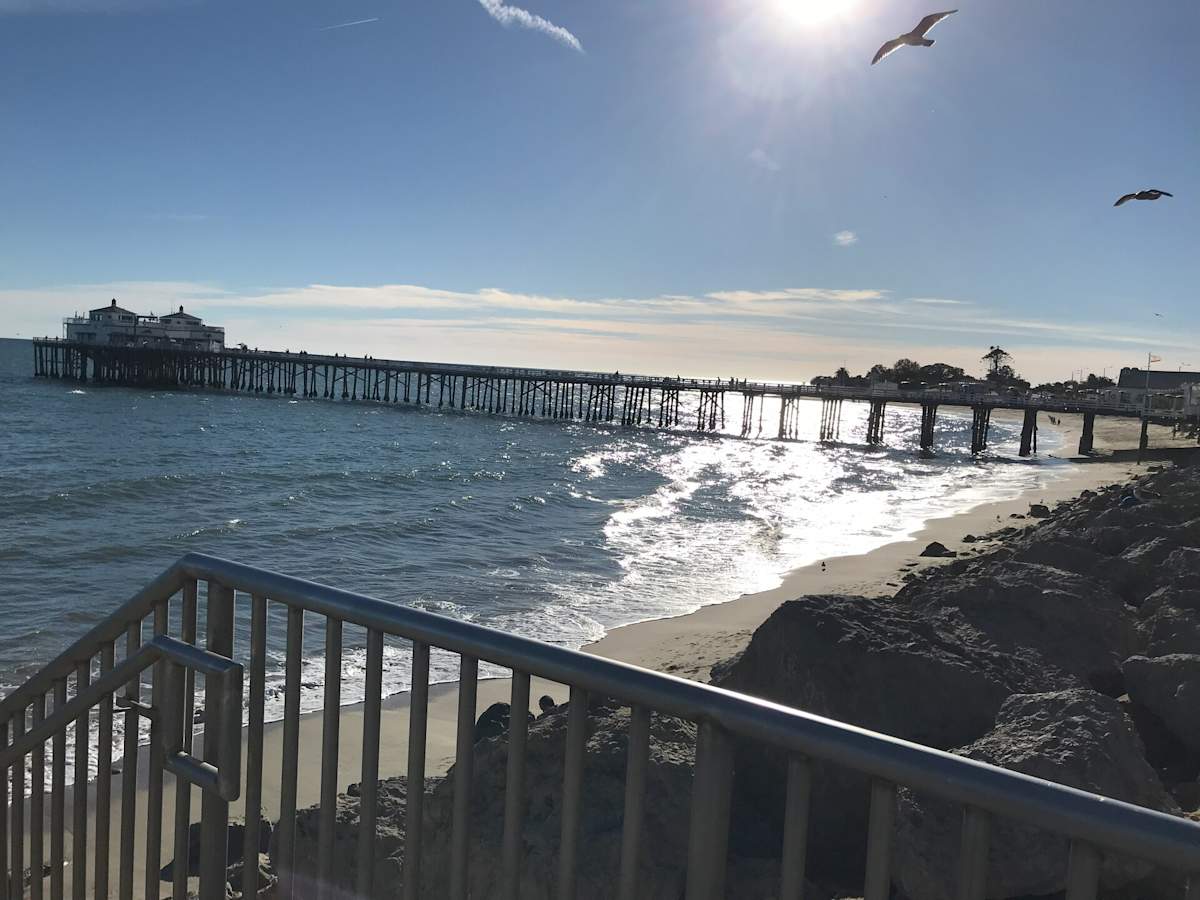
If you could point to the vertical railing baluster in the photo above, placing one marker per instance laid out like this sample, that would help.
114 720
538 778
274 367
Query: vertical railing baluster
37 809
17 827
104 747
133 691
418 715
973 855
186 702
879 841
795 828
254 745
79 804
514 787
58 791
330 729
6 865
638 759
291 749
1083 872
369 790
708 838
460 830
577 710
154 777
214 810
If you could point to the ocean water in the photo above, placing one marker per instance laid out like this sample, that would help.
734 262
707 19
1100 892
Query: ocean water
552 530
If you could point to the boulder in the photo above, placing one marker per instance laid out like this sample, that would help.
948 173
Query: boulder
1076 737
924 676
1169 629
266 878
1071 621
389 841
671 760
938 550
1039 511
1168 686
235 836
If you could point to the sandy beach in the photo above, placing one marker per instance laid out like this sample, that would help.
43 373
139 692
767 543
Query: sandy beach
686 645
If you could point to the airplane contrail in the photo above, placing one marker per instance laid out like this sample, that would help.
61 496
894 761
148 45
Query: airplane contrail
348 24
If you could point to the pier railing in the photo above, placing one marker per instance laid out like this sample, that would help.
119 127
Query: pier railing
221 590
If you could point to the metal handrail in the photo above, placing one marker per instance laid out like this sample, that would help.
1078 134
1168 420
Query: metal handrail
1089 821
1164 839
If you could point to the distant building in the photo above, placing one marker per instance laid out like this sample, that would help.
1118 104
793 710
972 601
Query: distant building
1167 390
114 324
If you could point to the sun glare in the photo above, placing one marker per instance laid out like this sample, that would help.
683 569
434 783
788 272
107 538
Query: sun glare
811 12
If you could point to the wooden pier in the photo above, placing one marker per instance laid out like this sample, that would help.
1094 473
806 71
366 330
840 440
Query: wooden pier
630 400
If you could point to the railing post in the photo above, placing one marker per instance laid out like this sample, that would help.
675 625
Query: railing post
460 832
879 841
708 841
1083 872
154 777
214 815
577 717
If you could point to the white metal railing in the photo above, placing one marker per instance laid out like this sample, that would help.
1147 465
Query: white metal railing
1093 824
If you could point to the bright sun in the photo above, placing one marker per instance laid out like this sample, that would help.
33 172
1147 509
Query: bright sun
811 12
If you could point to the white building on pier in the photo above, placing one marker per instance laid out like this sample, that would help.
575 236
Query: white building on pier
115 325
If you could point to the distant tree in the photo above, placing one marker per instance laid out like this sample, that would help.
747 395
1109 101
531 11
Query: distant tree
1098 381
880 372
996 357
842 375
905 370
937 373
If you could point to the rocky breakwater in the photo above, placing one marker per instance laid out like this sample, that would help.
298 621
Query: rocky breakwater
1071 651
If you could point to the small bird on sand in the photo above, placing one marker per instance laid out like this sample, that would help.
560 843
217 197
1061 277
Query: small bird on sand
1151 194
915 38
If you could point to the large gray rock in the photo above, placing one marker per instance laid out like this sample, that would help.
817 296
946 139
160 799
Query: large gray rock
663 857
924 676
389 842
1169 686
1078 738
1071 621
1169 629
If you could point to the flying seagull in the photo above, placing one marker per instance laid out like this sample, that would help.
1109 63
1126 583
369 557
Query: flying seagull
915 38
1151 194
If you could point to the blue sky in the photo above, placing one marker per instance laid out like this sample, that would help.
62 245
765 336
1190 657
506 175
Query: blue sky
710 186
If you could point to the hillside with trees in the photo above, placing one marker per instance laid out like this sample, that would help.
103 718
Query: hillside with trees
998 372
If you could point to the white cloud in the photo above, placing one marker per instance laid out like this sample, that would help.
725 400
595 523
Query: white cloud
937 301
834 294
845 238
789 333
522 18
763 160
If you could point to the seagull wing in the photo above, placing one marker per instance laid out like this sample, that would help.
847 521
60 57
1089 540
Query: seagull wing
887 49
930 20
1162 193
1125 199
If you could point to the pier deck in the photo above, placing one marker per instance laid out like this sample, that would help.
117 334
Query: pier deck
629 399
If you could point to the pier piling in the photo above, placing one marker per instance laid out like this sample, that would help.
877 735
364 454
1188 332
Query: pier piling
875 422
1086 437
1029 433
928 420
981 422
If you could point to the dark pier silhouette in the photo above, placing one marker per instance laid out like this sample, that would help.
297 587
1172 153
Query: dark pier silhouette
630 400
